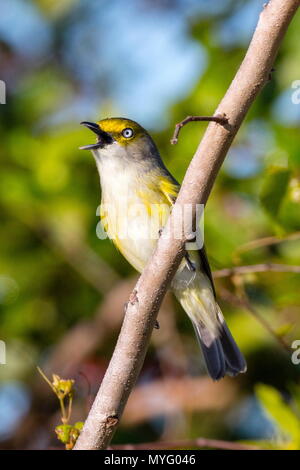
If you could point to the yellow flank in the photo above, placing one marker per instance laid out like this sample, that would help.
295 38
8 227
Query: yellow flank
115 126
154 198
169 189
109 228
157 198
103 218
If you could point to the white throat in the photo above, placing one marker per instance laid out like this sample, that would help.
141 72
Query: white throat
118 176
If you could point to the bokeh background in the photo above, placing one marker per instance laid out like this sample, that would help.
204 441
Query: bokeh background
62 289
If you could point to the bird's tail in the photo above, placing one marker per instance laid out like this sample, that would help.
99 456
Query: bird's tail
196 294
221 353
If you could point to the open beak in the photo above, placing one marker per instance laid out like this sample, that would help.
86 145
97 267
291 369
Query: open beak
103 138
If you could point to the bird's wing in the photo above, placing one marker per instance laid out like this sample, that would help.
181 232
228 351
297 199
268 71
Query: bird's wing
170 189
206 267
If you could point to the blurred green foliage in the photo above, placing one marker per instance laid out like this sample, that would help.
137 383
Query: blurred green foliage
286 417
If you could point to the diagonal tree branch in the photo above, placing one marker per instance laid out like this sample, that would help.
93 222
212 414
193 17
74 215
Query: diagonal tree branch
242 301
257 268
266 241
142 310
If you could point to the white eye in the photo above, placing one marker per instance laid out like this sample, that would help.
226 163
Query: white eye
127 133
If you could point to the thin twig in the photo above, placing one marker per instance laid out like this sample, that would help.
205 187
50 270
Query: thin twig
69 408
244 303
63 410
266 241
200 442
219 118
139 320
256 268
46 379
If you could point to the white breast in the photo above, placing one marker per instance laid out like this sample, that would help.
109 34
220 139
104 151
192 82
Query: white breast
124 215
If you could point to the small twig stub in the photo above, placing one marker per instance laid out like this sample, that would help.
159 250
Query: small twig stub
219 118
133 298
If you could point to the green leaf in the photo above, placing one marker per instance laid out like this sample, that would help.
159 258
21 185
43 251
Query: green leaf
63 432
279 411
79 425
274 189
284 329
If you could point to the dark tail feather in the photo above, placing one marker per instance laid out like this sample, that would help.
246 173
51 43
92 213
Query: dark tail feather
222 355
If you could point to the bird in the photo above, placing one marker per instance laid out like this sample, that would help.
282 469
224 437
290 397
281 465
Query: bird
137 192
